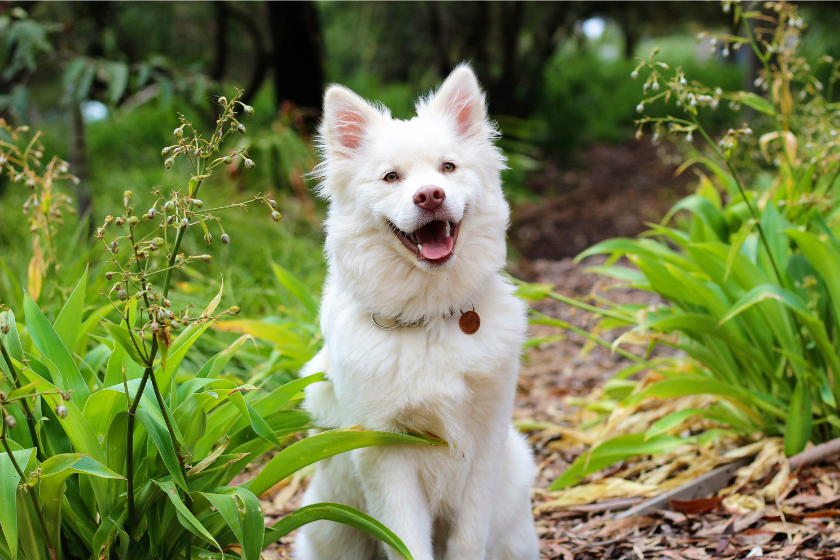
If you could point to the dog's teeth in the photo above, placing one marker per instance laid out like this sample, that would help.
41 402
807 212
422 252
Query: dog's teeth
419 248
447 229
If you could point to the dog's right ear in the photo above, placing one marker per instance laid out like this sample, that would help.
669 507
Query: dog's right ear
347 119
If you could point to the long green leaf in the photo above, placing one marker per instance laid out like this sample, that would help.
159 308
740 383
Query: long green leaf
323 445
54 474
246 523
48 342
69 320
614 450
296 287
9 480
340 514
186 517
123 338
163 442
800 419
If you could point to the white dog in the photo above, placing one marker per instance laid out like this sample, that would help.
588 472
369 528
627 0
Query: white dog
415 241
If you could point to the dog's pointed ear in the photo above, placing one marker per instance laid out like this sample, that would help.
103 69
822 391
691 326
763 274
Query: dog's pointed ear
347 118
460 98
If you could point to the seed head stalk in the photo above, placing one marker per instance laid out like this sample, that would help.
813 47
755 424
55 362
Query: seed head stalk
29 491
147 373
27 412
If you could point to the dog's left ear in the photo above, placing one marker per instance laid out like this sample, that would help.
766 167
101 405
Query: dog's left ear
461 99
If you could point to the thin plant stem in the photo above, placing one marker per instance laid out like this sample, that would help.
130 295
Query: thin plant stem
30 421
35 505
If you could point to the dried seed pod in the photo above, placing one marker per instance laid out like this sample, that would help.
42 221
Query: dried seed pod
234 310
273 204
198 203
65 396
109 220
119 221
109 275
133 221
169 163
4 328
248 109
152 213
184 223
222 100
169 206
154 326
165 152
249 163
228 160
61 411
275 216
225 238
240 128
206 258
11 422
159 241
178 132
122 294
208 237
167 303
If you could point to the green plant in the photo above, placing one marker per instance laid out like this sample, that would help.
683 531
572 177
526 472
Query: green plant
95 463
752 281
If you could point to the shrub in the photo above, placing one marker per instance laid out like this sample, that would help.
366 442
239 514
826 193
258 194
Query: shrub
752 281
103 453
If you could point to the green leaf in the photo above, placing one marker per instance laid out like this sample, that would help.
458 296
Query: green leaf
9 480
340 514
672 421
261 428
54 474
186 518
280 396
47 341
757 102
11 341
69 320
163 442
702 207
614 450
323 445
296 287
533 291
800 419
737 243
247 523
123 338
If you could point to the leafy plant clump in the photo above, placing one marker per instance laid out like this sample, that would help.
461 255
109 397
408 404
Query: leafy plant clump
103 453
753 280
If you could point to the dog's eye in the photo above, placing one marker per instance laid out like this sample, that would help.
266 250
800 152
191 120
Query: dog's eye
449 167
391 177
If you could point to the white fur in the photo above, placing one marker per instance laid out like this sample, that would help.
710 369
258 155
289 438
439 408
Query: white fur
471 500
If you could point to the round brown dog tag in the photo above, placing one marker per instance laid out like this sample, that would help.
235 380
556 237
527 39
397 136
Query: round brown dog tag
469 322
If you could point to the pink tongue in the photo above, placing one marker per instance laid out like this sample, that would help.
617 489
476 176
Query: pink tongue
434 240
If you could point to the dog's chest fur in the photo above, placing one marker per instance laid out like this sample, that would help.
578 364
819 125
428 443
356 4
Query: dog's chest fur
431 378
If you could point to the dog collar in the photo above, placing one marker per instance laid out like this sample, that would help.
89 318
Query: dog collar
469 322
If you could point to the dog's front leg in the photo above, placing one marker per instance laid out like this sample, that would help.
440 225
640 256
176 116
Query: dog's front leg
471 523
395 498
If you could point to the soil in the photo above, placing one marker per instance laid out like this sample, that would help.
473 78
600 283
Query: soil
607 191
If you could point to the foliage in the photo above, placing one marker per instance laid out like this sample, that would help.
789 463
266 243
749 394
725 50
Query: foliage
95 463
752 281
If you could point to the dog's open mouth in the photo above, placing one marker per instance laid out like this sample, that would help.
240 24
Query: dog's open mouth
433 243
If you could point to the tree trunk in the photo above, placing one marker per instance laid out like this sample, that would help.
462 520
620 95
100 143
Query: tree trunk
298 60
79 167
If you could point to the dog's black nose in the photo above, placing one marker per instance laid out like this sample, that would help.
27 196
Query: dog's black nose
429 197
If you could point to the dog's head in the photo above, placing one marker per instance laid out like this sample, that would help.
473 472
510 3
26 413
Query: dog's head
416 207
